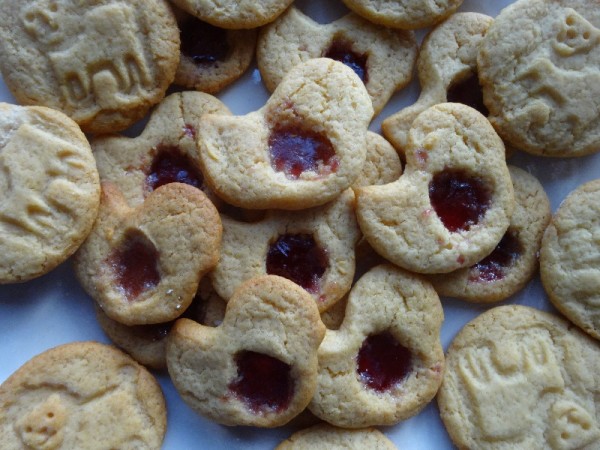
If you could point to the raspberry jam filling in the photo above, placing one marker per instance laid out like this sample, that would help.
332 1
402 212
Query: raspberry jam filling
468 92
341 51
382 362
459 199
298 258
294 151
263 383
203 43
171 166
494 266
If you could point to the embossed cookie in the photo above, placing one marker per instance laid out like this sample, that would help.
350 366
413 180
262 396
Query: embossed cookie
383 58
302 149
452 204
50 190
538 66
326 436
143 265
569 261
102 63
514 261
259 367
386 362
521 378
83 395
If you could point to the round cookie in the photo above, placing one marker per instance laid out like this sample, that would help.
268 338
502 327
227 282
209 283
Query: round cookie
520 378
82 395
569 263
332 438
103 63
383 164
50 190
538 66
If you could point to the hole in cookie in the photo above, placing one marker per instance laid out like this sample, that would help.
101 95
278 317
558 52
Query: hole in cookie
203 43
459 199
171 166
494 266
383 362
263 383
298 258
50 415
341 50
468 92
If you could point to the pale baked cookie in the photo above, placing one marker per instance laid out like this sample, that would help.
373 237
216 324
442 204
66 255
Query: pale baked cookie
325 436
514 261
50 190
383 164
453 203
447 71
383 58
314 248
143 265
102 63
520 378
386 361
539 69
259 367
570 258
302 149
85 396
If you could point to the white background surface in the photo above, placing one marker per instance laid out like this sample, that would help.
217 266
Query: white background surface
53 309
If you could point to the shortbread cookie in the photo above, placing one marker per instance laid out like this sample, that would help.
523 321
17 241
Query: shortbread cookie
383 58
539 69
314 248
332 438
520 378
85 396
570 258
453 203
143 265
514 261
259 367
302 149
50 190
386 361
447 70
102 63
383 164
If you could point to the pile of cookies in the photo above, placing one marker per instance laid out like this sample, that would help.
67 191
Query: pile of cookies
285 266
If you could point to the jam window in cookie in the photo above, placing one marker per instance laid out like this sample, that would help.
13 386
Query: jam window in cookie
468 92
170 166
494 266
341 50
205 44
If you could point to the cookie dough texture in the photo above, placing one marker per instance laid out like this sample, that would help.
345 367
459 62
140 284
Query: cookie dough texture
569 259
539 69
82 395
520 378
103 63
326 436
50 190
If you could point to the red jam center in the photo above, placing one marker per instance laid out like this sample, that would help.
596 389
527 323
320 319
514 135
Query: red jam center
468 92
341 51
203 43
459 199
170 166
299 258
383 362
493 267
263 383
294 151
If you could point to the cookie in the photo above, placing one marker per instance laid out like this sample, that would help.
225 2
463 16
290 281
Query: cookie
383 58
538 66
302 149
326 436
569 263
50 190
521 378
386 361
452 204
70 56
259 367
382 165
514 261
82 395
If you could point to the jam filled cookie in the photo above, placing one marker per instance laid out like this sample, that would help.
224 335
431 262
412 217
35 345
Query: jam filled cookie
520 378
539 68
332 438
83 395
382 58
514 261
453 203
50 190
102 63
302 149
259 367
570 261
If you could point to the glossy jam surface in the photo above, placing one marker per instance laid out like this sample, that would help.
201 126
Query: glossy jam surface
203 43
341 51
460 200
493 267
263 383
382 362
171 166
468 92
299 258
294 151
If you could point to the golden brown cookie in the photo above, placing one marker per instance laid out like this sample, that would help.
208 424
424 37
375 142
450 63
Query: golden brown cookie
326 436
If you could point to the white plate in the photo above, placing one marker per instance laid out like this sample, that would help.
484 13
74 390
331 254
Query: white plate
53 309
